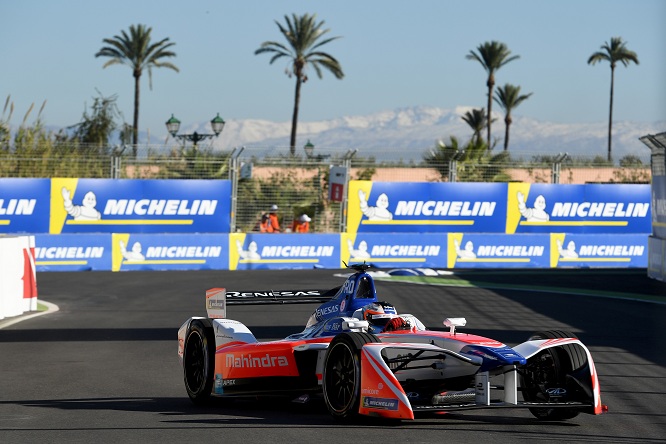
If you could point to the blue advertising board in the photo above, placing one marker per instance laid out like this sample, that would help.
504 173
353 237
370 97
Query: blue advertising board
598 250
209 251
140 206
591 208
283 251
24 205
470 250
413 207
72 252
397 250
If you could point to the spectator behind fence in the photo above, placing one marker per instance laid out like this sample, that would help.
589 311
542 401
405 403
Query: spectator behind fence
302 224
269 222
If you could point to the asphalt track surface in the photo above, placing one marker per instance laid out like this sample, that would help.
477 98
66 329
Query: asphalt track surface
104 367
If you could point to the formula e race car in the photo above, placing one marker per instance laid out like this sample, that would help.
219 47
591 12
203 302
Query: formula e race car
363 358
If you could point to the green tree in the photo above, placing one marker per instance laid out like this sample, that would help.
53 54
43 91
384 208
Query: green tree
97 126
475 161
613 53
508 97
138 52
304 38
477 120
492 56
5 131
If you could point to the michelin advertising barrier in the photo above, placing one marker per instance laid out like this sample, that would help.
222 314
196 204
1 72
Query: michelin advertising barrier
139 206
58 206
24 205
252 251
127 252
417 207
100 224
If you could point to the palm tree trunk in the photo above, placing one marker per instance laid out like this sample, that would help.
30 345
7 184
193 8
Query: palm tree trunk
491 83
135 129
507 122
294 118
610 114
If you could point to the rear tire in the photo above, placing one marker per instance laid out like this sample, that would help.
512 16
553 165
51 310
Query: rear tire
342 374
548 370
199 361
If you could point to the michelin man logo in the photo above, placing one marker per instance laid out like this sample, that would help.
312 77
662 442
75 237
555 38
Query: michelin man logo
467 253
361 252
379 211
536 214
569 252
85 211
134 254
250 253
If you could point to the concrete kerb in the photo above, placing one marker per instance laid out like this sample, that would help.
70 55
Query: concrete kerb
50 308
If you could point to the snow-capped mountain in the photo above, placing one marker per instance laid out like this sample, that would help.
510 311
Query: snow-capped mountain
408 133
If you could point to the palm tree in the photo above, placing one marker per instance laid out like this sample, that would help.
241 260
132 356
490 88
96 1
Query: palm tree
614 52
137 51
508 97
304 40
477 120
492 56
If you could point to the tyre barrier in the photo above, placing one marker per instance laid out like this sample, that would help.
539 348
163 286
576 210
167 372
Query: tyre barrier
18 277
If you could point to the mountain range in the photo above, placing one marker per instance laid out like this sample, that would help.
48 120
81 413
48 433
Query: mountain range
408 133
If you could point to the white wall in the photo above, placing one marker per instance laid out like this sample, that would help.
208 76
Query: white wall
18 279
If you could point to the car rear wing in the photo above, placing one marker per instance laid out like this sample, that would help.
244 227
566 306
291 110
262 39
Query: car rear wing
217 299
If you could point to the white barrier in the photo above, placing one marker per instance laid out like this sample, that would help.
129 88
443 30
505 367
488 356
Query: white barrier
18 279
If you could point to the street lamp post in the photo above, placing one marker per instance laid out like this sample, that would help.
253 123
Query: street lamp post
173 125
309 152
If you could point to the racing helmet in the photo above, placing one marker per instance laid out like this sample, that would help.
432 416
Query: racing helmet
379 313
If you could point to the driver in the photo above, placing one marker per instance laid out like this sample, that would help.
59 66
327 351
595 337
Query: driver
382 317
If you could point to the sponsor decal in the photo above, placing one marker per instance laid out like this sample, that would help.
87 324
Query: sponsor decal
556 392
17 207
322 312
380 403
272 293
600 209
445 208
159 207
69 252
250 361
184 251
289 251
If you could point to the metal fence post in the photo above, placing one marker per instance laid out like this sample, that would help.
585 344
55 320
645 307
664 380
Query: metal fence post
557 167
233 175
116 162
346 162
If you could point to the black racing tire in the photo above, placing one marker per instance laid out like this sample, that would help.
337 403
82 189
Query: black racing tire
342 373
549 369
199 361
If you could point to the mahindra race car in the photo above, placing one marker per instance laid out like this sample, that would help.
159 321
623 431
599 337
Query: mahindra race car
364 358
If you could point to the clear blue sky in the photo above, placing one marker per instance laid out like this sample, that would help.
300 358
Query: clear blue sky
394 54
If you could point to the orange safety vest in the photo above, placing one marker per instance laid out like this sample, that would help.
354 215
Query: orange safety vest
300 227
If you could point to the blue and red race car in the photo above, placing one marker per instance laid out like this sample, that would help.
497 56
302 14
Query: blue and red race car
364 358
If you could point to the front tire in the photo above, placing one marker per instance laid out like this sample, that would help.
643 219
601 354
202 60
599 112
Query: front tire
199 361
342 374
548 370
